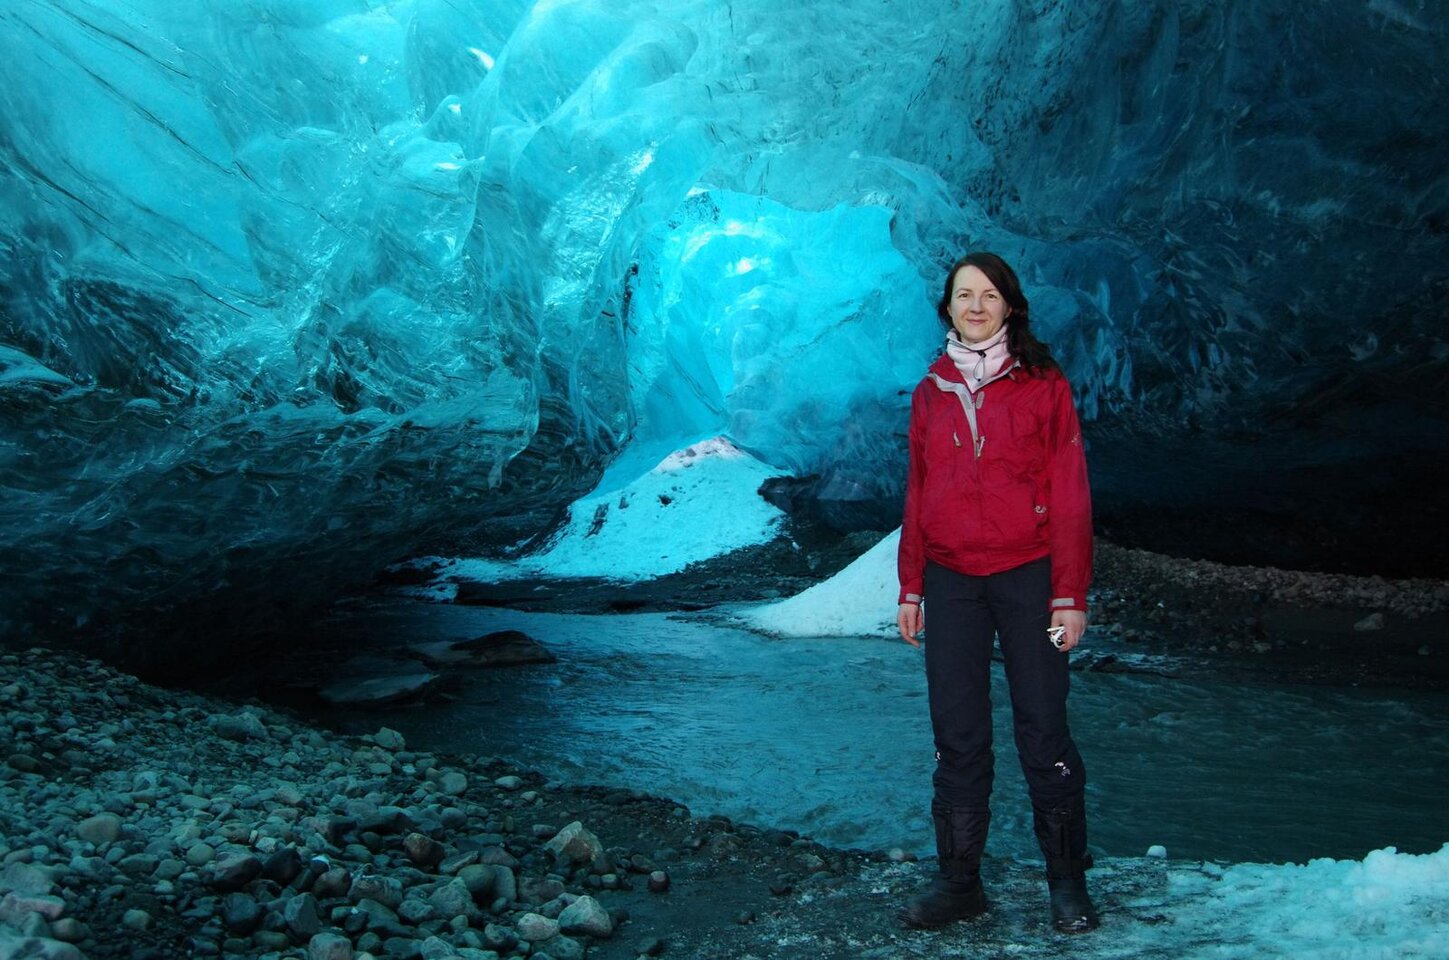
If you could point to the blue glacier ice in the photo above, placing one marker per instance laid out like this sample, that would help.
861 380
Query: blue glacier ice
289 292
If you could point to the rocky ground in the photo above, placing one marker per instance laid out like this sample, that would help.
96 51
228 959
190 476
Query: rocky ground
139 822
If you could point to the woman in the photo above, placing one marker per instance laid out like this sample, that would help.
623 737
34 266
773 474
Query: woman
997 536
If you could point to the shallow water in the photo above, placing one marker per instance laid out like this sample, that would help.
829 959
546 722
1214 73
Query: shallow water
831 737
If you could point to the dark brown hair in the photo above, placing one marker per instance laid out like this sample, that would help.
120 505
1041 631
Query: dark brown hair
1033 354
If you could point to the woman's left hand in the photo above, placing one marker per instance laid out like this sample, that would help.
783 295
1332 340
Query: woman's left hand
1076 623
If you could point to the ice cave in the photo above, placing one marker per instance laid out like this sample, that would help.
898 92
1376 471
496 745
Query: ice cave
318 313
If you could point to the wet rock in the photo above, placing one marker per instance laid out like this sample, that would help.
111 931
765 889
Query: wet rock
380 691
454 864
453 783
506 648
14 907
1374 621
329 946
333 883
436 948
386 891
415 911
282 866
69 930
242 914
658 881
540 890
534 927
36 948
240 727
499 938
25 878
563 947
234 871
200 854
101 829
389 739
453 899
575 844
138 920
423 850
300 916
586 917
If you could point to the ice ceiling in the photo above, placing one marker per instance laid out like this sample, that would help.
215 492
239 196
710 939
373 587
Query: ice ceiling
289 291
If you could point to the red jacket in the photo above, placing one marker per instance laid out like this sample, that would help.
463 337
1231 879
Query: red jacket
1009 488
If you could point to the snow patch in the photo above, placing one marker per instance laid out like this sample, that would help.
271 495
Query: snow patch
697 503
858 601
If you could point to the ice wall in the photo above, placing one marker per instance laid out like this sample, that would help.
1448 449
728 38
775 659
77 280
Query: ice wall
290 291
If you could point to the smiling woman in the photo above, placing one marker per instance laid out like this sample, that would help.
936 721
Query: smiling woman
997 538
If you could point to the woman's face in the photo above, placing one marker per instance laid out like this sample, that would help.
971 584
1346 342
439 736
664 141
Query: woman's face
977 309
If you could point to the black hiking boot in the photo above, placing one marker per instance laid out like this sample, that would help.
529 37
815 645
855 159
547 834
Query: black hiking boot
1062 833
946 902
1072 909
957 893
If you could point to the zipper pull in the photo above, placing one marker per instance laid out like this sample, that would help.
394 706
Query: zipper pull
979 442
955 438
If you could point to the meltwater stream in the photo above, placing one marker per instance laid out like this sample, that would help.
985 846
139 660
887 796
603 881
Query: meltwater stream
831 737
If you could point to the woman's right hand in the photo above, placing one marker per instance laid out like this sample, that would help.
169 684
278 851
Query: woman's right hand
911 622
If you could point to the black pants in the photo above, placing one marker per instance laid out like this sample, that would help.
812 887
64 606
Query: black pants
963 616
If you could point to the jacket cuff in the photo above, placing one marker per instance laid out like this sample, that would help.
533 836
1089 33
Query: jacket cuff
1069 603
910 598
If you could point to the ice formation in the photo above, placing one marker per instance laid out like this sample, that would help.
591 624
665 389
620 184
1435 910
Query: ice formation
326 285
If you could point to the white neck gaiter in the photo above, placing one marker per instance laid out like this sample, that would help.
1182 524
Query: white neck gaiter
978 361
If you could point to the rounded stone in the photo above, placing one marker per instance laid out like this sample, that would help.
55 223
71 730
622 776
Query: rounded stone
100 829
329 946
200 854
534 927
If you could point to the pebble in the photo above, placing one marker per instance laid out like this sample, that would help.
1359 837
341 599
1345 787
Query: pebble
534 927
101 829
239 726
423 850
1157 850
509 782
138 920
200 854
329 946
301 917
389 739
234 871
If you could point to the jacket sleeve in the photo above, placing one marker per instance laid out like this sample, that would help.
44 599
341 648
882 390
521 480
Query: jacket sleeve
1070 504
911 557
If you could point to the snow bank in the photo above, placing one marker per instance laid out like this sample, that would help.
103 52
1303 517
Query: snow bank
858 601
698 503
1387 906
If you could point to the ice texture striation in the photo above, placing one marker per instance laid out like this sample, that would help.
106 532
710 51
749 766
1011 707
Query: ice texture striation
291 291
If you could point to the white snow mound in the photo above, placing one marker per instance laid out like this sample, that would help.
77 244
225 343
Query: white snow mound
698 503
858 601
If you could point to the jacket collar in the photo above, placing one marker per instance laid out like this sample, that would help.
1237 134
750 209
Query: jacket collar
944 369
